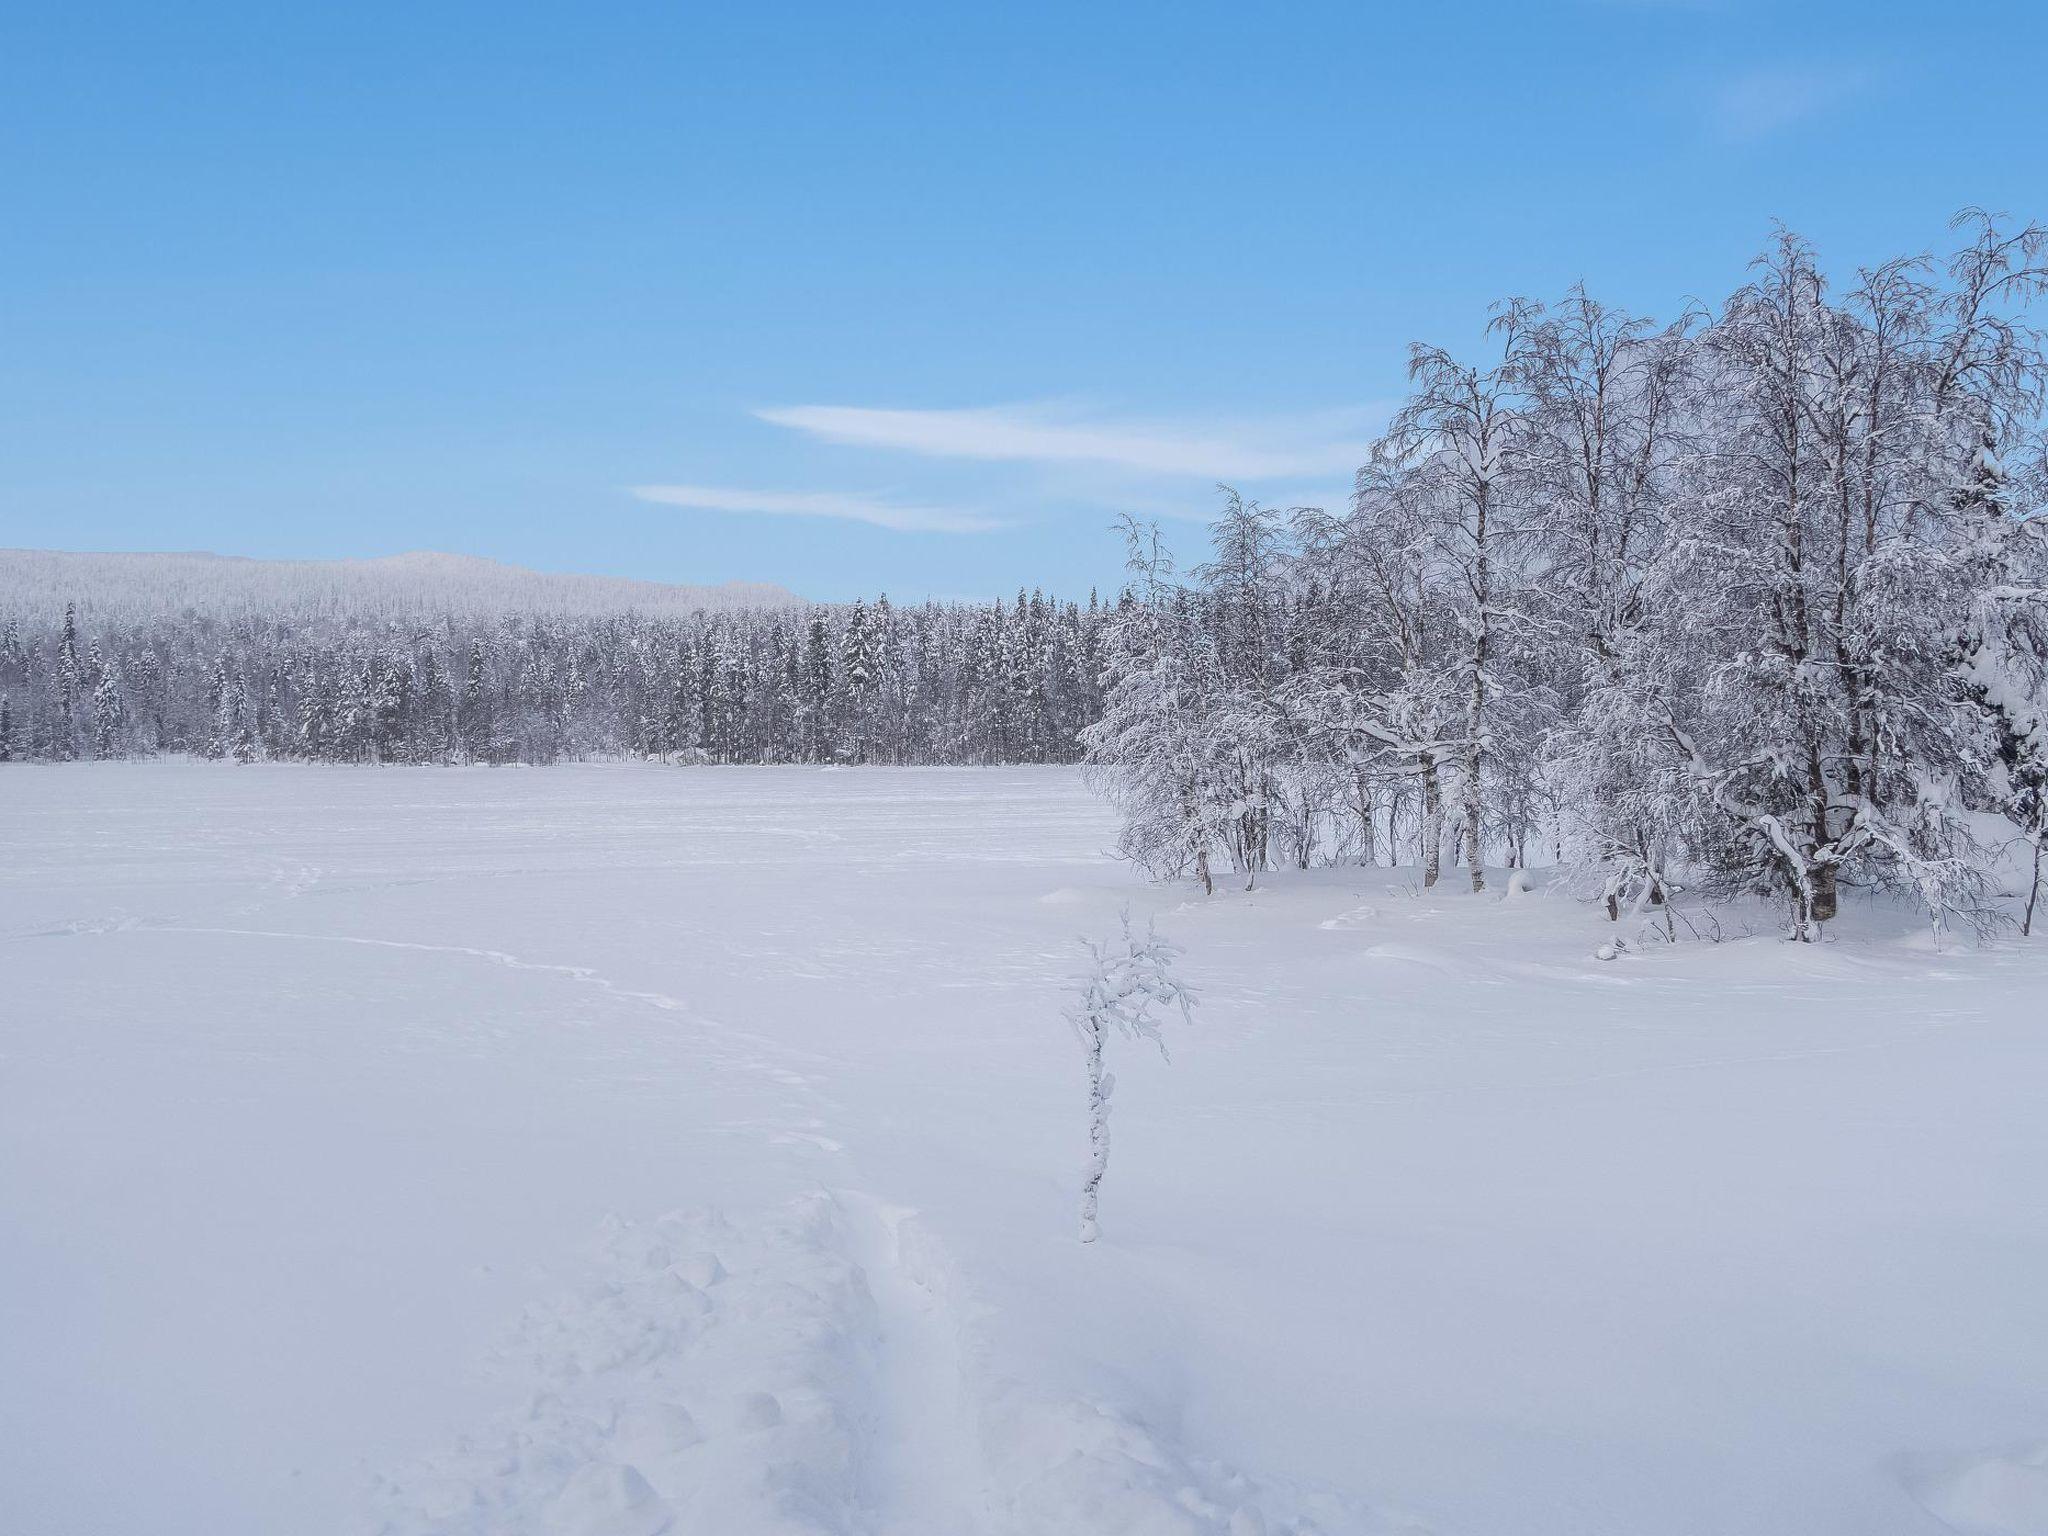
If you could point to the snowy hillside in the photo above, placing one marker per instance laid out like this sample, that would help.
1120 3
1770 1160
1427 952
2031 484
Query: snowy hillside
618 1150
125 588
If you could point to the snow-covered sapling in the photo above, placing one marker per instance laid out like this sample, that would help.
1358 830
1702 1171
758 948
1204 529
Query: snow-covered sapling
1129 979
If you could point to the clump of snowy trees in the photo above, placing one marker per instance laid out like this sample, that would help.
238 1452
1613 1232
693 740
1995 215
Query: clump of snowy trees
856 682
1752 601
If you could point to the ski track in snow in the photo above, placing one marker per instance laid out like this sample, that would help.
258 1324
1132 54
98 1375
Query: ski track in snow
83 927
581 974
288 880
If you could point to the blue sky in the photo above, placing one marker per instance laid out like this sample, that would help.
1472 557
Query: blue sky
858 298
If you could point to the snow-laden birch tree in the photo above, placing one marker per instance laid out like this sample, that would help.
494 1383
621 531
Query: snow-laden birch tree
1129 986
1463 430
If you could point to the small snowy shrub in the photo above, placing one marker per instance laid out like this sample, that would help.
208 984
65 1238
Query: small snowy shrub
1129 979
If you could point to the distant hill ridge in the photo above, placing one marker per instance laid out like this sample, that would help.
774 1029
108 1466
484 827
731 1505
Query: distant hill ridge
125 587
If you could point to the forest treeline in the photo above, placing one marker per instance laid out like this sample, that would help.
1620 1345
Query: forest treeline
855 683
1752 600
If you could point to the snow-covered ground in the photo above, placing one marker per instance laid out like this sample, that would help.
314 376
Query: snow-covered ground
611 1150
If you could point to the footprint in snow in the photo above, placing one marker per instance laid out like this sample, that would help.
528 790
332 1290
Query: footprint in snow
1356 917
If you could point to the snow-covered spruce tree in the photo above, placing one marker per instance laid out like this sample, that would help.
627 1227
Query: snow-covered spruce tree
109 712
860 674
1240 601
1130 982
64 735
473 719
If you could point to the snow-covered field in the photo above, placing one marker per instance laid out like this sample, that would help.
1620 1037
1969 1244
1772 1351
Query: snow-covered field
611 1150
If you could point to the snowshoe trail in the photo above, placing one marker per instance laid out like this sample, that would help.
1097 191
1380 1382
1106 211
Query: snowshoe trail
805 1374
737 1048
927 1473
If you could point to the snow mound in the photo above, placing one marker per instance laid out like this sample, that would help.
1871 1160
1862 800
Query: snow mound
1444 962
1066 896
2003 1495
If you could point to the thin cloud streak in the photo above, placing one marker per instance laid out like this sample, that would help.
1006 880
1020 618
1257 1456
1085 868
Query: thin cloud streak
1035 435
1760 102
848 506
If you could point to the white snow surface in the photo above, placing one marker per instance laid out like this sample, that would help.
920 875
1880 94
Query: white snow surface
618 1150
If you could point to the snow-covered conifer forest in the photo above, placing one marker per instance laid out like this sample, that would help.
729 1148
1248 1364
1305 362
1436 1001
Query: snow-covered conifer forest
1606 853
852 683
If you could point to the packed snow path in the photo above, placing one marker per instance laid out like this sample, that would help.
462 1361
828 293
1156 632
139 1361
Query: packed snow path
622 1150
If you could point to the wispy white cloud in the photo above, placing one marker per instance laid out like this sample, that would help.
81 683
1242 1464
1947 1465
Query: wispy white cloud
1320 444
1656 5
850 506
1757 103
1070 458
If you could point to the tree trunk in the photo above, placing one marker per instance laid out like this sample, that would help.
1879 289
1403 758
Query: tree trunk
1472 840
1431 832
1475 707
1821 905
2033 891
1368 852
1098 1134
